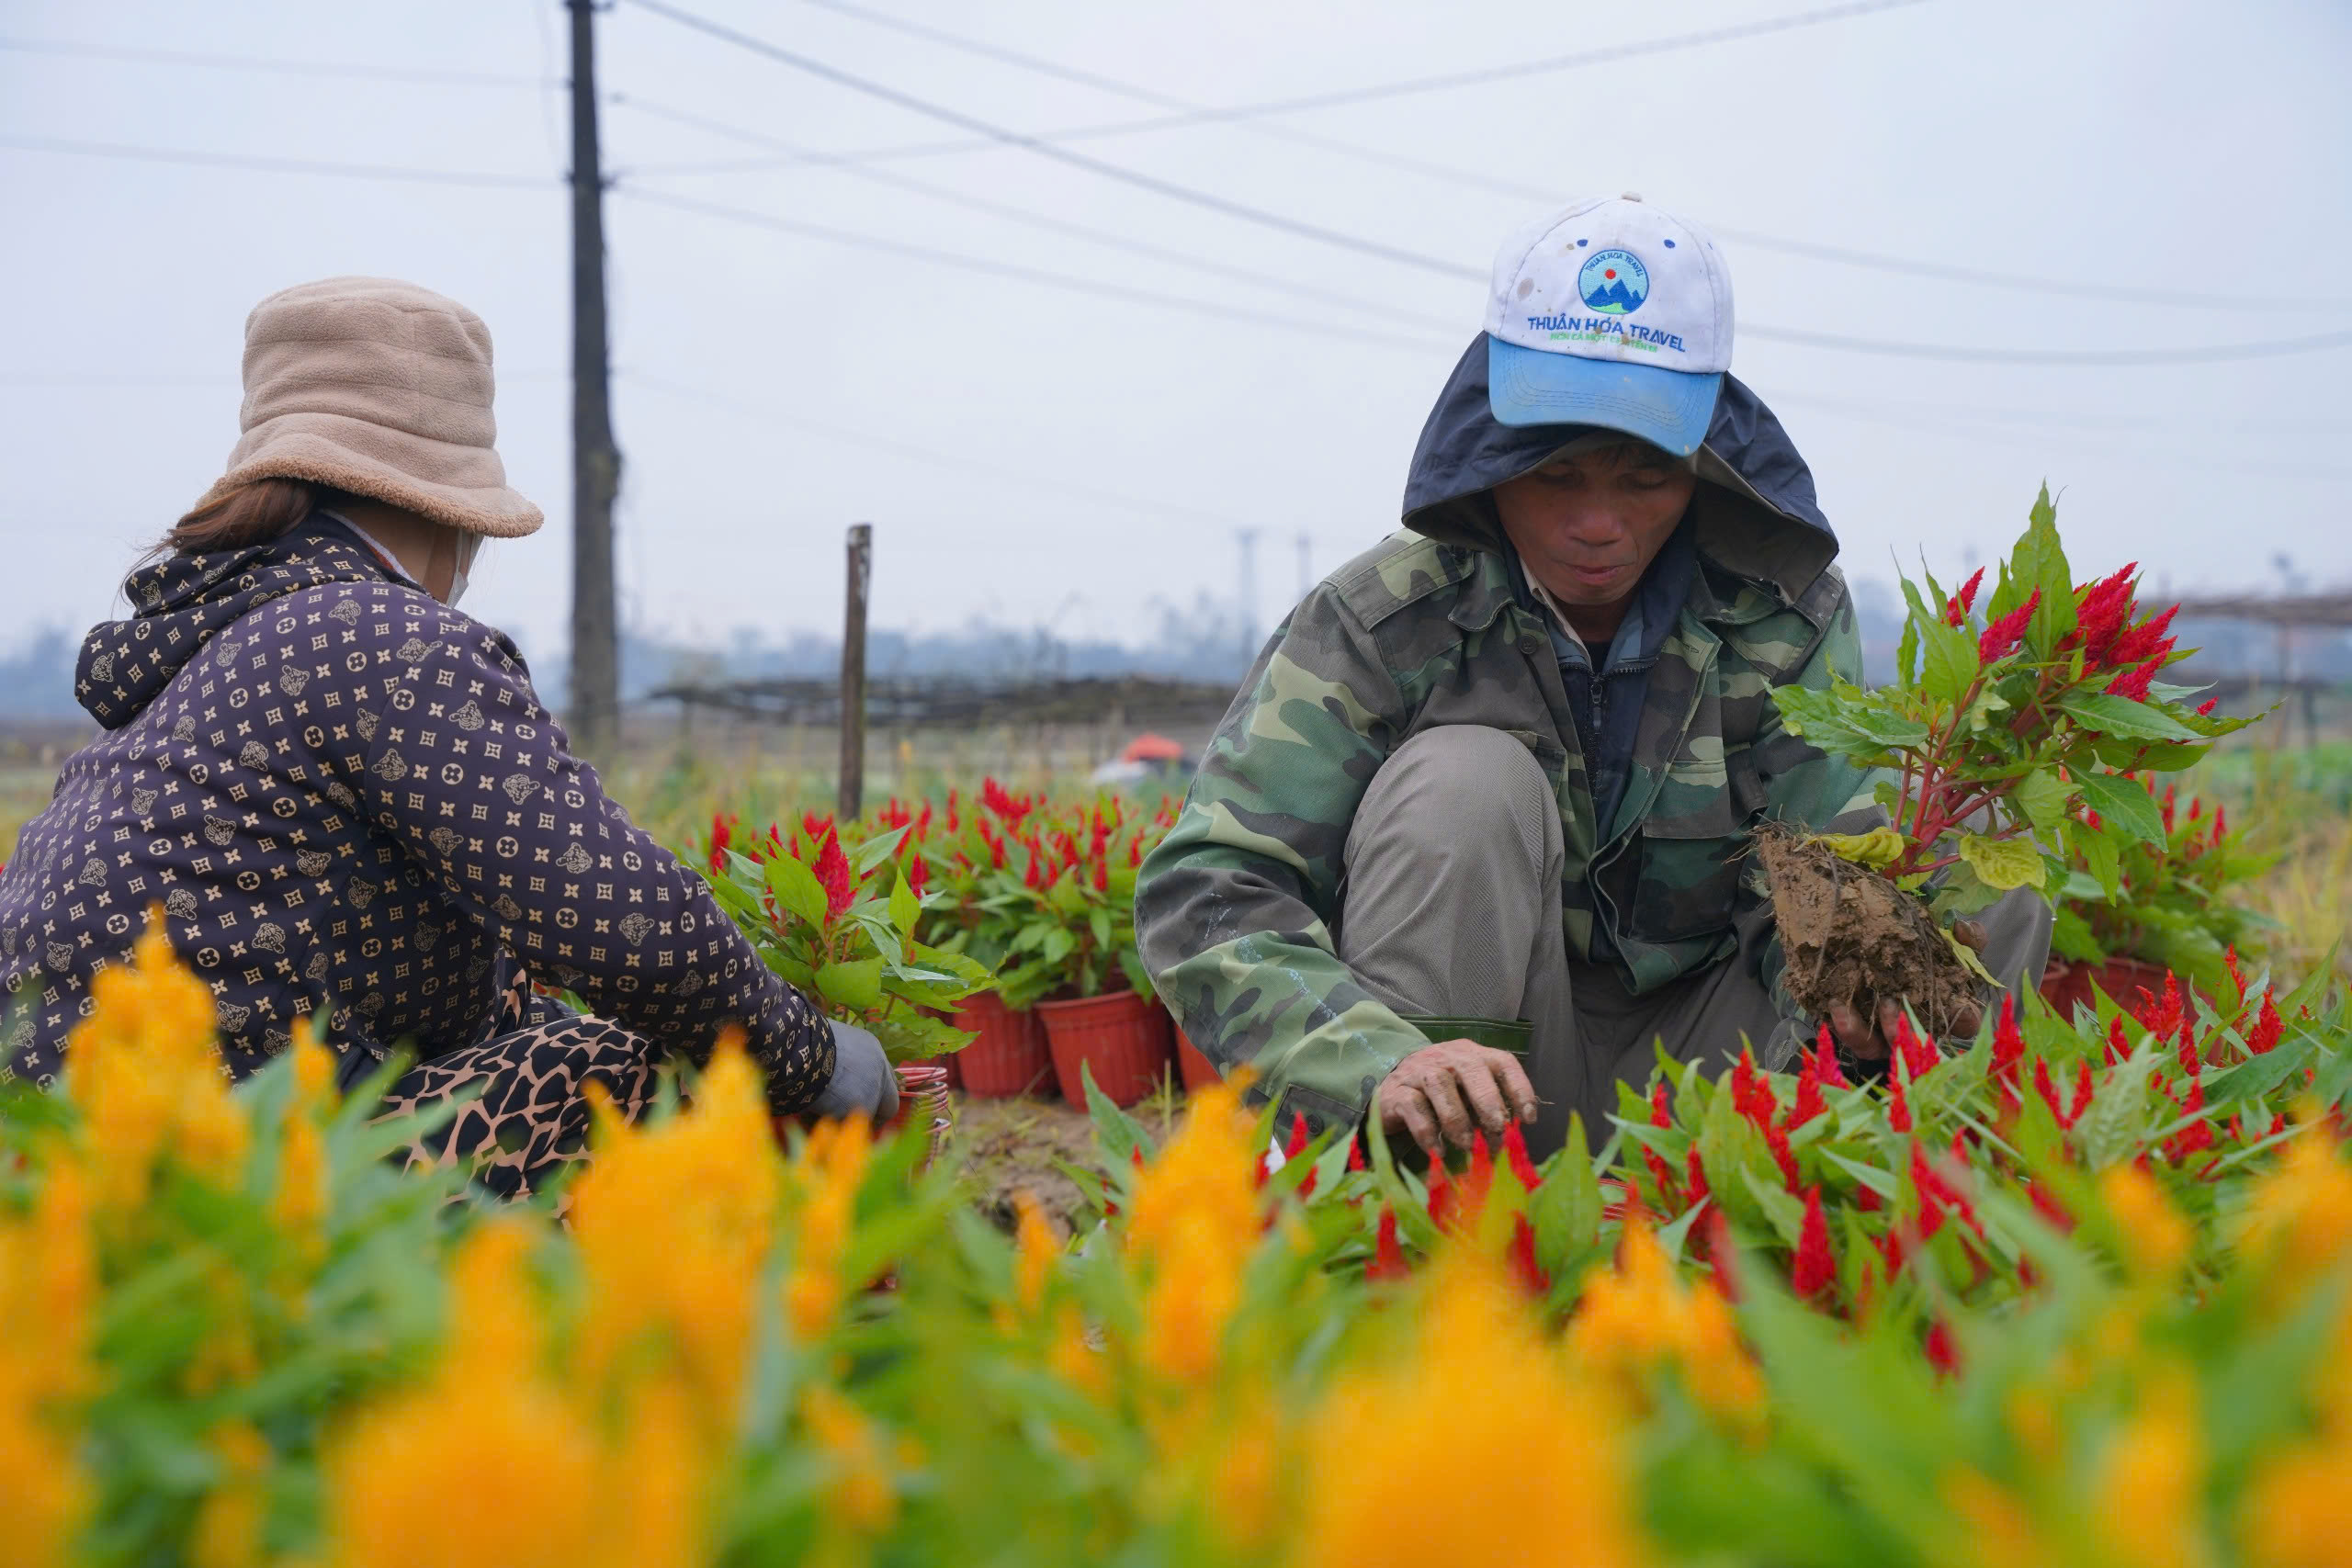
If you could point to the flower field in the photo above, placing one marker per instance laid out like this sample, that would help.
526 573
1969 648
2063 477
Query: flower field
2076 1295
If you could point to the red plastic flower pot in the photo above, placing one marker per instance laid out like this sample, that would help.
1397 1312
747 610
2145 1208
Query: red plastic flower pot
1010 1056
1199 1072
1124 1041
2066 985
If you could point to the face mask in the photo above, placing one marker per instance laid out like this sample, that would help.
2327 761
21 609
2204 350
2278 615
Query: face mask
466 546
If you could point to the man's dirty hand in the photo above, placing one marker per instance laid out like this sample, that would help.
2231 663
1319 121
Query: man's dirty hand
1868 1043
1442 1093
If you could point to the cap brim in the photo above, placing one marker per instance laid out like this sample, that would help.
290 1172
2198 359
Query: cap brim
1666 408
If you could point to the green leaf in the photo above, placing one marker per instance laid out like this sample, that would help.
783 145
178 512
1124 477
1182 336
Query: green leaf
852 983
1783 1213
1948 654
796 889
2124 803
2111 1129
1565 1206
875 850
905 907
2123 717
2002 863
1119 1133
1729 1144
2041 797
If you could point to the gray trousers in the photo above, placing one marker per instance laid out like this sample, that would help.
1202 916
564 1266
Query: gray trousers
1451 907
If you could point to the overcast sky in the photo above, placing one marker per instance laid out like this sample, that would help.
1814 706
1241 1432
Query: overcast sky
1030 451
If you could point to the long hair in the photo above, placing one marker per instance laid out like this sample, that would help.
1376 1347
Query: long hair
254 514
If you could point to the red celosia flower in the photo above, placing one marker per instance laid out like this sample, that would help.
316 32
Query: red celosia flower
1661 1110
1479 1178
1695 1174
1808 1102
1298 1136
1387 1255
1813 1270
2118 1047
2047 1090
2191 1063
1356 1153
2046 1204
1776 1138
1956 608
2101 608
1824 1057
2205 709
1898 1102
1670 1197
1515 1151
833 875
918 874
1943 1351
1442 1195
2143 642
2266 1027
2199 1134
1919 1056
2161 1016
2082 1093
2134 684
2230 953
2005 634
1744 1081
1101 876
2008 1050
722 832
1723 1259
1522 1256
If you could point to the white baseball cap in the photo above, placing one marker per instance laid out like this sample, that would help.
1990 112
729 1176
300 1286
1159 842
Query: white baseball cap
1612 312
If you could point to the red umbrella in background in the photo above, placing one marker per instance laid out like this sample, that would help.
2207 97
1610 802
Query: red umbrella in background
1151 748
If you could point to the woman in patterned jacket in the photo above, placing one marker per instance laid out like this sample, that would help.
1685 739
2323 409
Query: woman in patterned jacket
344 799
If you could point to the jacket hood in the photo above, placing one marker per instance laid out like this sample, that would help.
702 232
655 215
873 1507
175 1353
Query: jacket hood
181 602
1754 513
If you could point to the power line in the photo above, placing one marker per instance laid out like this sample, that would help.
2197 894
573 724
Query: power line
1067 281
1195 113
2208 354
273 165
1608 54
281 67
923 453
1152 182
1046 221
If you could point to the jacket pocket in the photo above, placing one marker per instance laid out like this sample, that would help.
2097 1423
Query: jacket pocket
1692 848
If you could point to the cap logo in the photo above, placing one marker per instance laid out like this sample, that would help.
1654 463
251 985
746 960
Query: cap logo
1614 281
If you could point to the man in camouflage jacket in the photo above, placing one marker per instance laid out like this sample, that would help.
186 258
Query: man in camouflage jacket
1439 798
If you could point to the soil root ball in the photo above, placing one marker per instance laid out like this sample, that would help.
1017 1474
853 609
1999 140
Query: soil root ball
1851 936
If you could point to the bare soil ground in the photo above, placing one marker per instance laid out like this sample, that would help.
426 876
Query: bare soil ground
1008 1144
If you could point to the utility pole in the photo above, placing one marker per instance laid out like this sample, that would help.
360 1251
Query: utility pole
595 462
852 797
1245 593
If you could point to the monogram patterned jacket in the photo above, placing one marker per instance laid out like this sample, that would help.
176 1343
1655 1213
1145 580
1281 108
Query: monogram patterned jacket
344 799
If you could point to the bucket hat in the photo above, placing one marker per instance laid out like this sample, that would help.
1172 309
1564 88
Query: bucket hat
382 388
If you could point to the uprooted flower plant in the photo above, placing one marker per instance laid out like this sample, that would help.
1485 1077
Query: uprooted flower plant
2005 747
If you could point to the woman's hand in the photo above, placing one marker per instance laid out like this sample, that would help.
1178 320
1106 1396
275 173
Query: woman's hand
862 1079
1441 1092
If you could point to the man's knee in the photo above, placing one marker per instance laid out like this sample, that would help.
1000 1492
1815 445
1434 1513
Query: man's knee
2017 937
1461 784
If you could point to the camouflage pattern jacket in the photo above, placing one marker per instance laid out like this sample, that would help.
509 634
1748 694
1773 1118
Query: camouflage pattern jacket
1234 908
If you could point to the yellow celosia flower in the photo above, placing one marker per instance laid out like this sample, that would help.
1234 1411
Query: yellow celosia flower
1505 1456
227 1531
2302 1213
1034 1252
1640 1315
1195 1219
482 1464
299 1205
2156 1240
143 1070
672 1225
2297 1512
824 1178
862 1497
2147 1493
47 1292
653 1496
1996 1526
